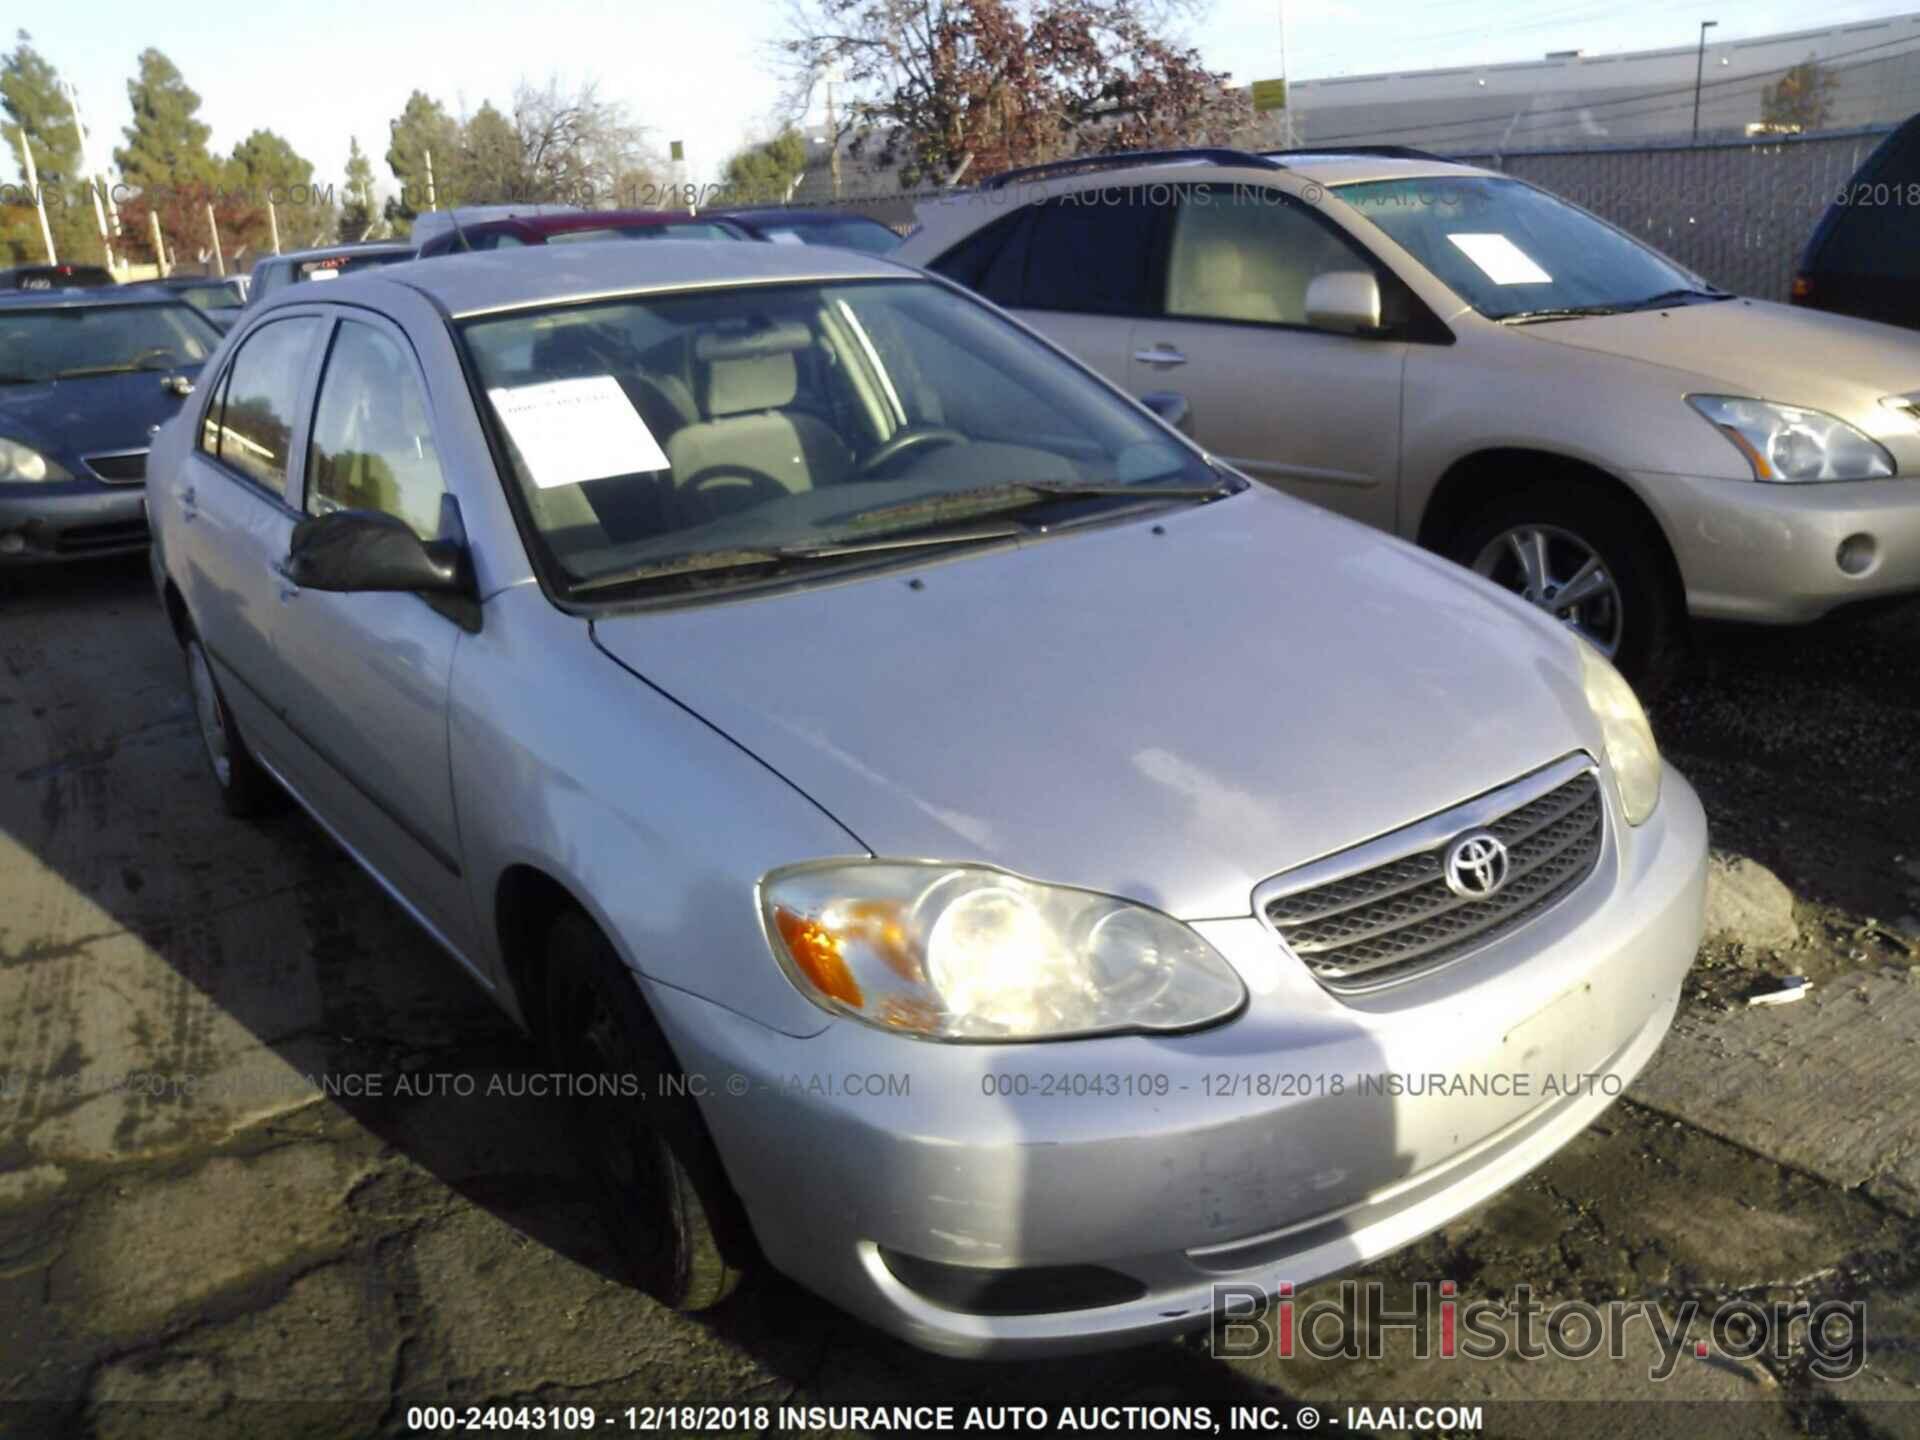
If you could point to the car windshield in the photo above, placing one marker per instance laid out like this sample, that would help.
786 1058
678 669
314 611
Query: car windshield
71 342
1510 250
867 235
714 430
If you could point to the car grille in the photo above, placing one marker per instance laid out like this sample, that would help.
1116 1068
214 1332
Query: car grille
124 467
1391 921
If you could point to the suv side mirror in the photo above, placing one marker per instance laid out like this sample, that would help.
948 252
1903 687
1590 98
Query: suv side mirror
1346 301
352 550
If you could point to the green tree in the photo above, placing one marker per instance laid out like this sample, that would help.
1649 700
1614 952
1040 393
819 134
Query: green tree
356 205
492 167
764 173
31 100
166 157
266 170
423 127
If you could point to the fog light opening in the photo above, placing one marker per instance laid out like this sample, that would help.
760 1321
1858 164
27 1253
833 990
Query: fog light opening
1034 1290
1857 555
13 543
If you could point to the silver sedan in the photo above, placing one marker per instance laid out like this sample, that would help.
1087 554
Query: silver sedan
968 849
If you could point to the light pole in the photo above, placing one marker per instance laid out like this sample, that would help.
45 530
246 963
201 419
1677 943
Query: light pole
1699 72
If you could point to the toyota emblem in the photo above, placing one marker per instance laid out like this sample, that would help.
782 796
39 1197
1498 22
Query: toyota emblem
1476 865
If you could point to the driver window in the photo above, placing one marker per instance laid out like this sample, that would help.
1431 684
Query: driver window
372 445
1241 253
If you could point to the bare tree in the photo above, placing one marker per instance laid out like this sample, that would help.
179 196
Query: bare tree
576 146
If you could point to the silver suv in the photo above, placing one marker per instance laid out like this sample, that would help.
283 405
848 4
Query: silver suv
1461 358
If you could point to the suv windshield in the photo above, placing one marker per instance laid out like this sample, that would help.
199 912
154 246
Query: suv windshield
713 432
71 342
1511 251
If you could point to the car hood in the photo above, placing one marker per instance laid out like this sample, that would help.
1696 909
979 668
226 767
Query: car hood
1168 714
84 416
1752 347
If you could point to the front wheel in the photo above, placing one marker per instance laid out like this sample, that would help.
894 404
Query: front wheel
1586 559
668 1210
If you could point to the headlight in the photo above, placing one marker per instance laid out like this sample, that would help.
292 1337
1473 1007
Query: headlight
21 462
1628 738
955 952
1784 443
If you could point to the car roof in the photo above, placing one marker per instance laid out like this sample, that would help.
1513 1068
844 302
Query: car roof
321 252
92 297
773 214
479 282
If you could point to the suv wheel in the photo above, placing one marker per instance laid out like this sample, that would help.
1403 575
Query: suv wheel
1586 559
245 789
669 1212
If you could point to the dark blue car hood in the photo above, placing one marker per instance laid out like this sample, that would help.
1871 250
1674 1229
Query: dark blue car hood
88 414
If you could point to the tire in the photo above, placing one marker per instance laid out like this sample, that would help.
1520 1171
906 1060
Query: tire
246 790
670 1214
1636 618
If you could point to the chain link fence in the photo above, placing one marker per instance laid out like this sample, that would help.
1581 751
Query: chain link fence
1738 213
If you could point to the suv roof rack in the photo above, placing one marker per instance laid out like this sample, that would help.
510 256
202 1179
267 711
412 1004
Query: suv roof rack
1383 152
1219 155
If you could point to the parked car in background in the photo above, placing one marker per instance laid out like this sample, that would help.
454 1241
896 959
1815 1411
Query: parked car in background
429 225
773 675
220 298
1864 257
274 272
559 225
785 226
55 277
1461 358
86 376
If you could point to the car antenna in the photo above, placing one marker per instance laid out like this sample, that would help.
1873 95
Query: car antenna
453 215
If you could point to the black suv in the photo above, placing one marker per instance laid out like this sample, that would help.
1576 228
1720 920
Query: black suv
1864 257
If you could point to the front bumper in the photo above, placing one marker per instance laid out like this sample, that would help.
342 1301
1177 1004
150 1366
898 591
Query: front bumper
70 520
1754 551
1179 1163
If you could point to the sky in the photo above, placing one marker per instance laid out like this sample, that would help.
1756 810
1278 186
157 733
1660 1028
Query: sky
705 73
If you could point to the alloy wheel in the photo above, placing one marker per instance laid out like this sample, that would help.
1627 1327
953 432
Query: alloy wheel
1562 574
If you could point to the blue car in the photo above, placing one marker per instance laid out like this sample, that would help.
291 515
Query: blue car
86 378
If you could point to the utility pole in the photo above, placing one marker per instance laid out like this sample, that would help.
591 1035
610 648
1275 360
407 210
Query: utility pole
432 199
219 260
1288 139
159 242
39 200
273 224
1699 73
833 133
86 166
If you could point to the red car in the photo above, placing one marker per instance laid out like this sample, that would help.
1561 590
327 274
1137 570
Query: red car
543 225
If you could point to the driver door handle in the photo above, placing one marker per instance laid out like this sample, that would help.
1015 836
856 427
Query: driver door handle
1160 355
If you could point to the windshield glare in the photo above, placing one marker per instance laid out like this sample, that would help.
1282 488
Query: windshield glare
1507 248
645 429
55 344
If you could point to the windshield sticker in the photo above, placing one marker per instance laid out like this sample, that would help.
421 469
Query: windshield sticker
785 237
572 431
1500 260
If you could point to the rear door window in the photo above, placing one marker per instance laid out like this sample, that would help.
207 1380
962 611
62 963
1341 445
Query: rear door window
261 397
1093 253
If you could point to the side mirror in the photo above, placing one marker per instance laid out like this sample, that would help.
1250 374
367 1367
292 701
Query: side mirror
353 550
1172 407
1346 301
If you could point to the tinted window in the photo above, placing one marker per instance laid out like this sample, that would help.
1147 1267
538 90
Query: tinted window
993 260
372 445
1093 252
1244 253
261 394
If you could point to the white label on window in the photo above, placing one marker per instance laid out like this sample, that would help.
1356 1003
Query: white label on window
1502 261
572 431
785 237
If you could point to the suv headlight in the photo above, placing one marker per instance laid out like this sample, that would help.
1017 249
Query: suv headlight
959 952
20 462
1786 443
1628 739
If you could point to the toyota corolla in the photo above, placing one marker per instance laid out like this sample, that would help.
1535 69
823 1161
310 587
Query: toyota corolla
974 852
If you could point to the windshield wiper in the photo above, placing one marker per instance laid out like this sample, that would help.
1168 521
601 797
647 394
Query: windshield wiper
1681 296
1020 495
10 379
1562 312
699 562
87 371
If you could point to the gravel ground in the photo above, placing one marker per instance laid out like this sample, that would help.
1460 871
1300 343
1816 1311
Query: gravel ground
267 1259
